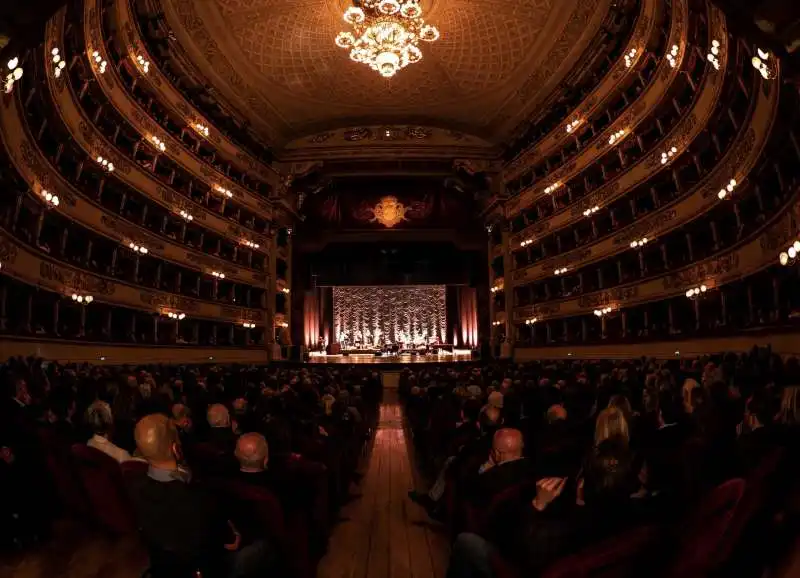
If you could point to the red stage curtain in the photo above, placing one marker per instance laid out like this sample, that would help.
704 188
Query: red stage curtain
468 316
311 320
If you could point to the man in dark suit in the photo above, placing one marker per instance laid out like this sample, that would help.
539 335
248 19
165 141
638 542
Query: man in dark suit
221 435
505 468
757 437
667 468
181 522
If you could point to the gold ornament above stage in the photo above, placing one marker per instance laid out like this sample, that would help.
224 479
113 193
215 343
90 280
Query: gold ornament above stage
389 211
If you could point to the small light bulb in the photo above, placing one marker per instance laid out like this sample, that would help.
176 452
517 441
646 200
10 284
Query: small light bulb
784 258
796 245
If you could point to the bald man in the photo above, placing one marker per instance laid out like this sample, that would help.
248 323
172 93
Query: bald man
175 514
506 467
221 436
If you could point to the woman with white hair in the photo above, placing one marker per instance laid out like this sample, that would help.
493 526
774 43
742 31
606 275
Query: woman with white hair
101 420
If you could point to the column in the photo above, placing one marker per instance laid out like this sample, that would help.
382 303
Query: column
155 329
723 303
714 235
271 289
584 329
642 268
89 247
214 334
214 289
751 314
3 301
548 332
108 323
508 293
697 318
133 325
624 318
600 284
689 245
56 307
646 321
39 225
179 283
136 268
775 312
492 327
29 313
603 327
83 322
196 332
64 236
230 335
670 318
158 274
289 276
619 270
664 256
114 260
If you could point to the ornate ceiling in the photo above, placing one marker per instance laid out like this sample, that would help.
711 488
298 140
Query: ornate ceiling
276 59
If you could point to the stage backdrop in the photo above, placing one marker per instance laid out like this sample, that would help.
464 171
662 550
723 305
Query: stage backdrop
400 313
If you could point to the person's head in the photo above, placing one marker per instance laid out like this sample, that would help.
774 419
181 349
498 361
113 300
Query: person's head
757 412
252 452
182 416
610 423
239 405
218 416
687 393
556 413
99 418
21 392
491 418
790 406
495 400
506 445
670 408
621 403
607 473
158 442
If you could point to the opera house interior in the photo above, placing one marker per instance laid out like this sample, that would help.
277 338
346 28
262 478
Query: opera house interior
400 288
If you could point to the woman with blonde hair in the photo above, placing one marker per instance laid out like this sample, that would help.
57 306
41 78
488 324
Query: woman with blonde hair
789 413
611 423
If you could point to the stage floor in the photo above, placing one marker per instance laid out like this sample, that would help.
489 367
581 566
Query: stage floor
369 358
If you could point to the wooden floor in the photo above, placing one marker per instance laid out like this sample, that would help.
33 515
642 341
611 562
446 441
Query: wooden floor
382 534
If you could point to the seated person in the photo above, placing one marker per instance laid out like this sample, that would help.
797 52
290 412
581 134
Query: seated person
221 435
469 457
549 528
181 523
506 467
757 437
101 422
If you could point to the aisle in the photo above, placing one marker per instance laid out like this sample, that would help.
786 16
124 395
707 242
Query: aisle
384 534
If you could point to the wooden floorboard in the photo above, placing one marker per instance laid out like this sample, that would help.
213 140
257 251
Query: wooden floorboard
383 534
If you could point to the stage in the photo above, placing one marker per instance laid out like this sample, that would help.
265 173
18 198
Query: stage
459 355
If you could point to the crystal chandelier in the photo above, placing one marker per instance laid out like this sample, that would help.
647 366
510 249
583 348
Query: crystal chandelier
386 34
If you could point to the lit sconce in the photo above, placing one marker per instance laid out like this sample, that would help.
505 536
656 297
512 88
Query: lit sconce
250 244
713 56
696 291
496 323
14 74
282 324
726 190
186 216
639 243
50 198
531 321
526 242
665 156
248 325
138 248
789 256
602 312
286 290
629 57
573 125
496 288
58 63
616 136
672 56
99 62
201 128
763 64
289 231
144 64
560 271
159 144
590 212
82 299
218 275
552 187
176 316
223 191
107 165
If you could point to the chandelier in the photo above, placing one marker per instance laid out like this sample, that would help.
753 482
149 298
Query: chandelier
386 34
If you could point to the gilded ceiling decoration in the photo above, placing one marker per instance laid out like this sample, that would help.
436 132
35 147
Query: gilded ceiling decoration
491 65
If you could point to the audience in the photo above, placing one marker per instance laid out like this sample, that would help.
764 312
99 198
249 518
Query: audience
101 421
595 449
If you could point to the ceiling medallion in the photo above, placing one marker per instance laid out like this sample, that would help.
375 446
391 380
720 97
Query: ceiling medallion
389 211
386 34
